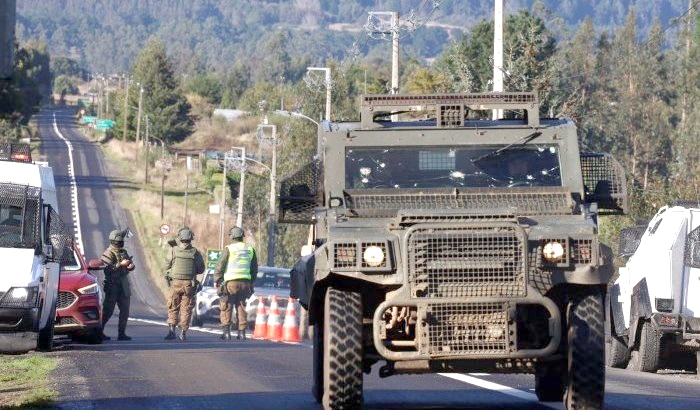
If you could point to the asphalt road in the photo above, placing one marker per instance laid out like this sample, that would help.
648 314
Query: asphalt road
205 372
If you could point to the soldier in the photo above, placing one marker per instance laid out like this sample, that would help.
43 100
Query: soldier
117 290
185 263
234 275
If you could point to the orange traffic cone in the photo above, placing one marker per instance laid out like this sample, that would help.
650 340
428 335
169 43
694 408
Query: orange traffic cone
290 329
260 331
274 326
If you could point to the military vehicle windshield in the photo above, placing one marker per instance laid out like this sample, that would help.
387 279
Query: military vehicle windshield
452 167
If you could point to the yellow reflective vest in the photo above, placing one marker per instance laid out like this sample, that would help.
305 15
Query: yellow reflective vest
240 255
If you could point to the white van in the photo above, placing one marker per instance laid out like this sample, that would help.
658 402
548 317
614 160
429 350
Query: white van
655 301
33 242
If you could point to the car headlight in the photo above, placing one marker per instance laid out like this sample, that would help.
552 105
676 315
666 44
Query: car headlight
373 256
553 251
89 289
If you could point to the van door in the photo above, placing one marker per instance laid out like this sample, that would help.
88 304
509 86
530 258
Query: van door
691 277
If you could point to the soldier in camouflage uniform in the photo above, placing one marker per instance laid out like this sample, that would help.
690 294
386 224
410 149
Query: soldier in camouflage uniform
117 290
182 268
234 276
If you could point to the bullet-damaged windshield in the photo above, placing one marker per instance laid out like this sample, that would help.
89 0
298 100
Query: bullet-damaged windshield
450 167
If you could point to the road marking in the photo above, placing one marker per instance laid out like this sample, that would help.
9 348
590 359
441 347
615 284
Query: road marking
484 384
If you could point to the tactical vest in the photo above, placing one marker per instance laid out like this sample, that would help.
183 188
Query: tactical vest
239 257
183 263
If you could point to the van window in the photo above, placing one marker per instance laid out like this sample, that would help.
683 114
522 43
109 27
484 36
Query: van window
692 248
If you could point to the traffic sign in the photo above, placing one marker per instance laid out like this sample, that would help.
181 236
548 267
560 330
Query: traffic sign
213 256
87 119
164 229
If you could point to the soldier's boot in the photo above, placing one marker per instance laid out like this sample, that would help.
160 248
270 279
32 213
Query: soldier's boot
182 335
241 334
225 332
171 332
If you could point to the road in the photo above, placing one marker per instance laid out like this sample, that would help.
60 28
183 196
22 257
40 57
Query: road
205 372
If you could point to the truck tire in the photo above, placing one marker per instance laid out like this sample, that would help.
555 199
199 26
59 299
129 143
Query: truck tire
317 371
616 352
342 350
646 358
550 381
44 342
586 350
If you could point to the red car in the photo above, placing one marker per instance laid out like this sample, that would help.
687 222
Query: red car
79 306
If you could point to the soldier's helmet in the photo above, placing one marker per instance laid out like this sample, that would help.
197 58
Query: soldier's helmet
116 237
185 234
236 233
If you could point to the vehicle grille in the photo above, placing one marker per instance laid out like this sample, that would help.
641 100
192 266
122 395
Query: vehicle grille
469 261
64 321
468 328
65 299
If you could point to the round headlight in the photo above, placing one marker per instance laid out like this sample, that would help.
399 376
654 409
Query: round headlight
373 256
552 251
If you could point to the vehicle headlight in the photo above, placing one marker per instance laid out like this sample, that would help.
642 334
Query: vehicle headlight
19 294
89 289
553 251
373 256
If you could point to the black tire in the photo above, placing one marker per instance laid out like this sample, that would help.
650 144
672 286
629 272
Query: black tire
616 353
586 350
550 381
646 357
317 371
94 336
342 350
44 342
195 320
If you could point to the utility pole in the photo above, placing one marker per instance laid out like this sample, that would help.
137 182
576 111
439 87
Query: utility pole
498 53
394 51
273 140
138 119
241 168
145 154
328 88
126 108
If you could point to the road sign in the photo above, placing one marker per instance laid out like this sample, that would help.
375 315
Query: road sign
213 256
164 229
102 124
87 119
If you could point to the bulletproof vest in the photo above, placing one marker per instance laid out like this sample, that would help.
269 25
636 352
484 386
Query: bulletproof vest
183 263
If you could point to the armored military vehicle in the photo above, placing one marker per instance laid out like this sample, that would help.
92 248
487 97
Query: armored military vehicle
655 301
446 241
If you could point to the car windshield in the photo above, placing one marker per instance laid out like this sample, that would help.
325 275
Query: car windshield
272 278
208 280
452 167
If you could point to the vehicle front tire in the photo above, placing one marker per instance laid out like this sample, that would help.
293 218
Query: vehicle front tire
550 381
342 350
646 358
586 349
616 353
195 320
44 342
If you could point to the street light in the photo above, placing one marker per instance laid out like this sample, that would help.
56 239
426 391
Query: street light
328 88
267 135
231 160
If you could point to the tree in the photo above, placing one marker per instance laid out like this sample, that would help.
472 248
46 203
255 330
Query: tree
166 107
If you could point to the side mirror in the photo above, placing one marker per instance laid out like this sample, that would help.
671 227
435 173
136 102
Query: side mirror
95 264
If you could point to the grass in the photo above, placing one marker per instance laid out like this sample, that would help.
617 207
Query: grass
24 381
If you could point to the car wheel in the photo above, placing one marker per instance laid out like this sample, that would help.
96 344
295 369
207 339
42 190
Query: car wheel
195 320
586 350
646 358
342 350
45 341
94 336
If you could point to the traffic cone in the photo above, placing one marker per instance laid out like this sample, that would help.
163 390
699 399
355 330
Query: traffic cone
260 331
290 329
274 326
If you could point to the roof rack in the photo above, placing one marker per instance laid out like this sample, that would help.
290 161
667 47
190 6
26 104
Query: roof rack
450 108
15 151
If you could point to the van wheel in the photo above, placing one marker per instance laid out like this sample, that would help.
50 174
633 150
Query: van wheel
586 349
317 375
342 350
45 341
646 358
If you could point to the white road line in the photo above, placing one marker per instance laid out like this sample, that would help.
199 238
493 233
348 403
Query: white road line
73 188
484 384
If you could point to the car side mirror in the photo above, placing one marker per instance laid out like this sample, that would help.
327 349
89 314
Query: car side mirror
95 264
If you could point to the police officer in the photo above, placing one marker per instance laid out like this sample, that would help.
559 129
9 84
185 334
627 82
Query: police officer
117 290
234 275
182 268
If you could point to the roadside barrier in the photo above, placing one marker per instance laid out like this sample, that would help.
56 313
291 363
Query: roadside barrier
290 329
274 325
260 331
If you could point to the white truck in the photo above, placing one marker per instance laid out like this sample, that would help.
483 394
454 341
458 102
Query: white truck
655 301
33 243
